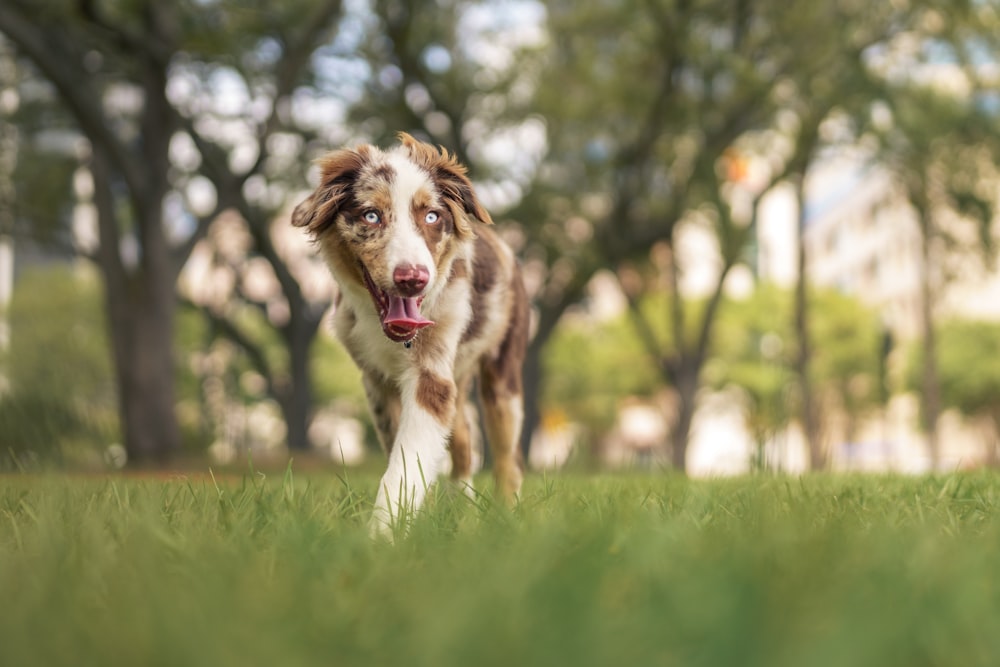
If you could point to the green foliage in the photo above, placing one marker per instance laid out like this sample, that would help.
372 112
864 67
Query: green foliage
58 345
968 354
639 570
848 341
755 350
37 429
589 368
754 345
337 378
61 396
62 404
942 146
43 201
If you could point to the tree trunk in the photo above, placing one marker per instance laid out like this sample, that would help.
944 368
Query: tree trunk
550 312
141 328
140 305
296 397
687 393
532 384
817 455
991 458
930 381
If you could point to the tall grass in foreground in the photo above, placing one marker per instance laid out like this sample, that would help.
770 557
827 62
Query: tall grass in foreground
631 570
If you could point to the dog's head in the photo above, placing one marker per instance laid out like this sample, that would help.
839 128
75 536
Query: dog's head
392 221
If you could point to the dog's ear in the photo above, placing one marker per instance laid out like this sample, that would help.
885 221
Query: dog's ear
450 176
338 172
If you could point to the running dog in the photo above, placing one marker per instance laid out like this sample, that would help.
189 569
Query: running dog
430 299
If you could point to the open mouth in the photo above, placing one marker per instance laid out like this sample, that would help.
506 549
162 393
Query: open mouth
400 315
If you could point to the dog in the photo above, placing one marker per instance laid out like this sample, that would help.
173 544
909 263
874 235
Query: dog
431 301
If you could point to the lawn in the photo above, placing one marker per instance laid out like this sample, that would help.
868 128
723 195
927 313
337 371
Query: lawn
611 570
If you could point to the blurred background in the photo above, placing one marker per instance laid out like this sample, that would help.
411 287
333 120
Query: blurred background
757 235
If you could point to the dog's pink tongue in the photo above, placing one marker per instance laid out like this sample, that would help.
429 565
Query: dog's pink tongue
404 313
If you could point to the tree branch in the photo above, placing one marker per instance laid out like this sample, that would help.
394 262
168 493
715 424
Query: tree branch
229 330
129 44
645 330
288 73
409 64
59 59
107 255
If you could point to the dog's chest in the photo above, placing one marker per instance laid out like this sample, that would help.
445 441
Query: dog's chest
362 336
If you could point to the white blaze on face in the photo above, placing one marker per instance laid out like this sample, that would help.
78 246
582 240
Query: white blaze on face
407 245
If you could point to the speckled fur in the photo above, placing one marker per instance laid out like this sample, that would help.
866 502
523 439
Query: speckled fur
417 394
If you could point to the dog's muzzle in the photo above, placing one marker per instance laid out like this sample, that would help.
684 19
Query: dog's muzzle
400 315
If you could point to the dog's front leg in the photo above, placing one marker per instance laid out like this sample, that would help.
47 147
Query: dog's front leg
419 452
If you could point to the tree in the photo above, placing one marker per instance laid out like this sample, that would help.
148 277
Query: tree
638 160
755 351
121 72
968 354
590 393
282 66
848 360
140 297
941 145
39 151
836 95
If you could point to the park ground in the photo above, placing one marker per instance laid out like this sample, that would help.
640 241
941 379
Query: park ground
631 569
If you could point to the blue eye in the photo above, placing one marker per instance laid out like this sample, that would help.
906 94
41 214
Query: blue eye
431 217
372 217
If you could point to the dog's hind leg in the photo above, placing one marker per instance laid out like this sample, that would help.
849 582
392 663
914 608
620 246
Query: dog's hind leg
503 415
463 431
502 396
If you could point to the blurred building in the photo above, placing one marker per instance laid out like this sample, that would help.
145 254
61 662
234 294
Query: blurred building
862 239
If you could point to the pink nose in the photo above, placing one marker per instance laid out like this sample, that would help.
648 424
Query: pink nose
411 280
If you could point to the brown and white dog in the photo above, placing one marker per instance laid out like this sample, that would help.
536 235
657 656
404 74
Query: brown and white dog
430 299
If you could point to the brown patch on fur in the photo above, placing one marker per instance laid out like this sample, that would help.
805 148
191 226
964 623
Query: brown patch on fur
459 270
377 198
422 201
381 201
339 170
477 319
449 175
502 374
340 255
436 395
485 267
385 172
461 439
501 392
503 427
435 233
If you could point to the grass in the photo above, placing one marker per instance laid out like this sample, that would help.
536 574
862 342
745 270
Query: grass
616 570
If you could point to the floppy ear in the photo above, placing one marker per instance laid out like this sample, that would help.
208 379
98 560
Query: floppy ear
450 176
338 172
